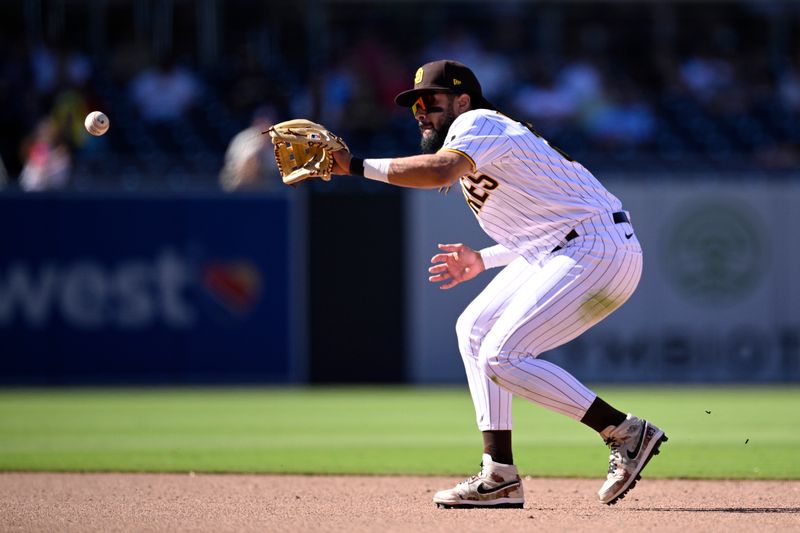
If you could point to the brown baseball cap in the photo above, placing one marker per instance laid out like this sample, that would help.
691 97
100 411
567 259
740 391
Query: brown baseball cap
444 75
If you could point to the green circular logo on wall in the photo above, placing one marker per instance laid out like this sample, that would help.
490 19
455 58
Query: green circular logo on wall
715 252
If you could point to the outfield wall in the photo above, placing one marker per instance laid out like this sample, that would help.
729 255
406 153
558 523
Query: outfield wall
115 288
719 298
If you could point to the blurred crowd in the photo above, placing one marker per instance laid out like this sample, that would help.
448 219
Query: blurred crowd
712 93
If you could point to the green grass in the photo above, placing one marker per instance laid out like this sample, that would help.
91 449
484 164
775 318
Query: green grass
750 433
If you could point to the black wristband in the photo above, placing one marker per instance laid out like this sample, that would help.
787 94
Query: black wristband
356 166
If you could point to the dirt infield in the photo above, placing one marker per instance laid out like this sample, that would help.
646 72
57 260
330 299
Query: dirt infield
174 502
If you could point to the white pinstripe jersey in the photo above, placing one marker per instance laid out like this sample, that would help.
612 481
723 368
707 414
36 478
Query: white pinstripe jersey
525 194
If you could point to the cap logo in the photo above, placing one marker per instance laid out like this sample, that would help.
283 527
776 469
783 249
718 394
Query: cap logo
456 81
418 76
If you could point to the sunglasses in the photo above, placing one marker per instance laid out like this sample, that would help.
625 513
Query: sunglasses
420 107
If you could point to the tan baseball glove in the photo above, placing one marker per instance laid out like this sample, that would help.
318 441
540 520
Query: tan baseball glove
303 150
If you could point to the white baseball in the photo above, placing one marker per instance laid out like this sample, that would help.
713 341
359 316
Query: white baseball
96 123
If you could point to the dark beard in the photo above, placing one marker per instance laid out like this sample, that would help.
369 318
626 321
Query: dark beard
431 144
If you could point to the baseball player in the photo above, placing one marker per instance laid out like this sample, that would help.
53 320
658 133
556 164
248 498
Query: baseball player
569 256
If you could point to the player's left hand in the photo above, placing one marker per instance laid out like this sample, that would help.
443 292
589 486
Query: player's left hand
304 150
341 162
460 263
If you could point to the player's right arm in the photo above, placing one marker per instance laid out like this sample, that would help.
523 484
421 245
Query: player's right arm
458 263
427 171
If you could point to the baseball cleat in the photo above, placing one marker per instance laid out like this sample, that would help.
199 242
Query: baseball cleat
496 486
633 443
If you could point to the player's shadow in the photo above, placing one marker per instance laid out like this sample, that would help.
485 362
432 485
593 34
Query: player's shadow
745 510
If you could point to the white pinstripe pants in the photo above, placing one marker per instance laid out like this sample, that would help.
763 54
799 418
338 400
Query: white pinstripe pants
528 309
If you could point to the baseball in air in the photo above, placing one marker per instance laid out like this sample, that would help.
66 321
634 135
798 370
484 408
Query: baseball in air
96 123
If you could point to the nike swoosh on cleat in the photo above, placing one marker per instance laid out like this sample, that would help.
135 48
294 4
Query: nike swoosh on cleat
482 489
628 236
638 445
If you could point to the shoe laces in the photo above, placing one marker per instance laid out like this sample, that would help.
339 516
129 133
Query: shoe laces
472 479
615 459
